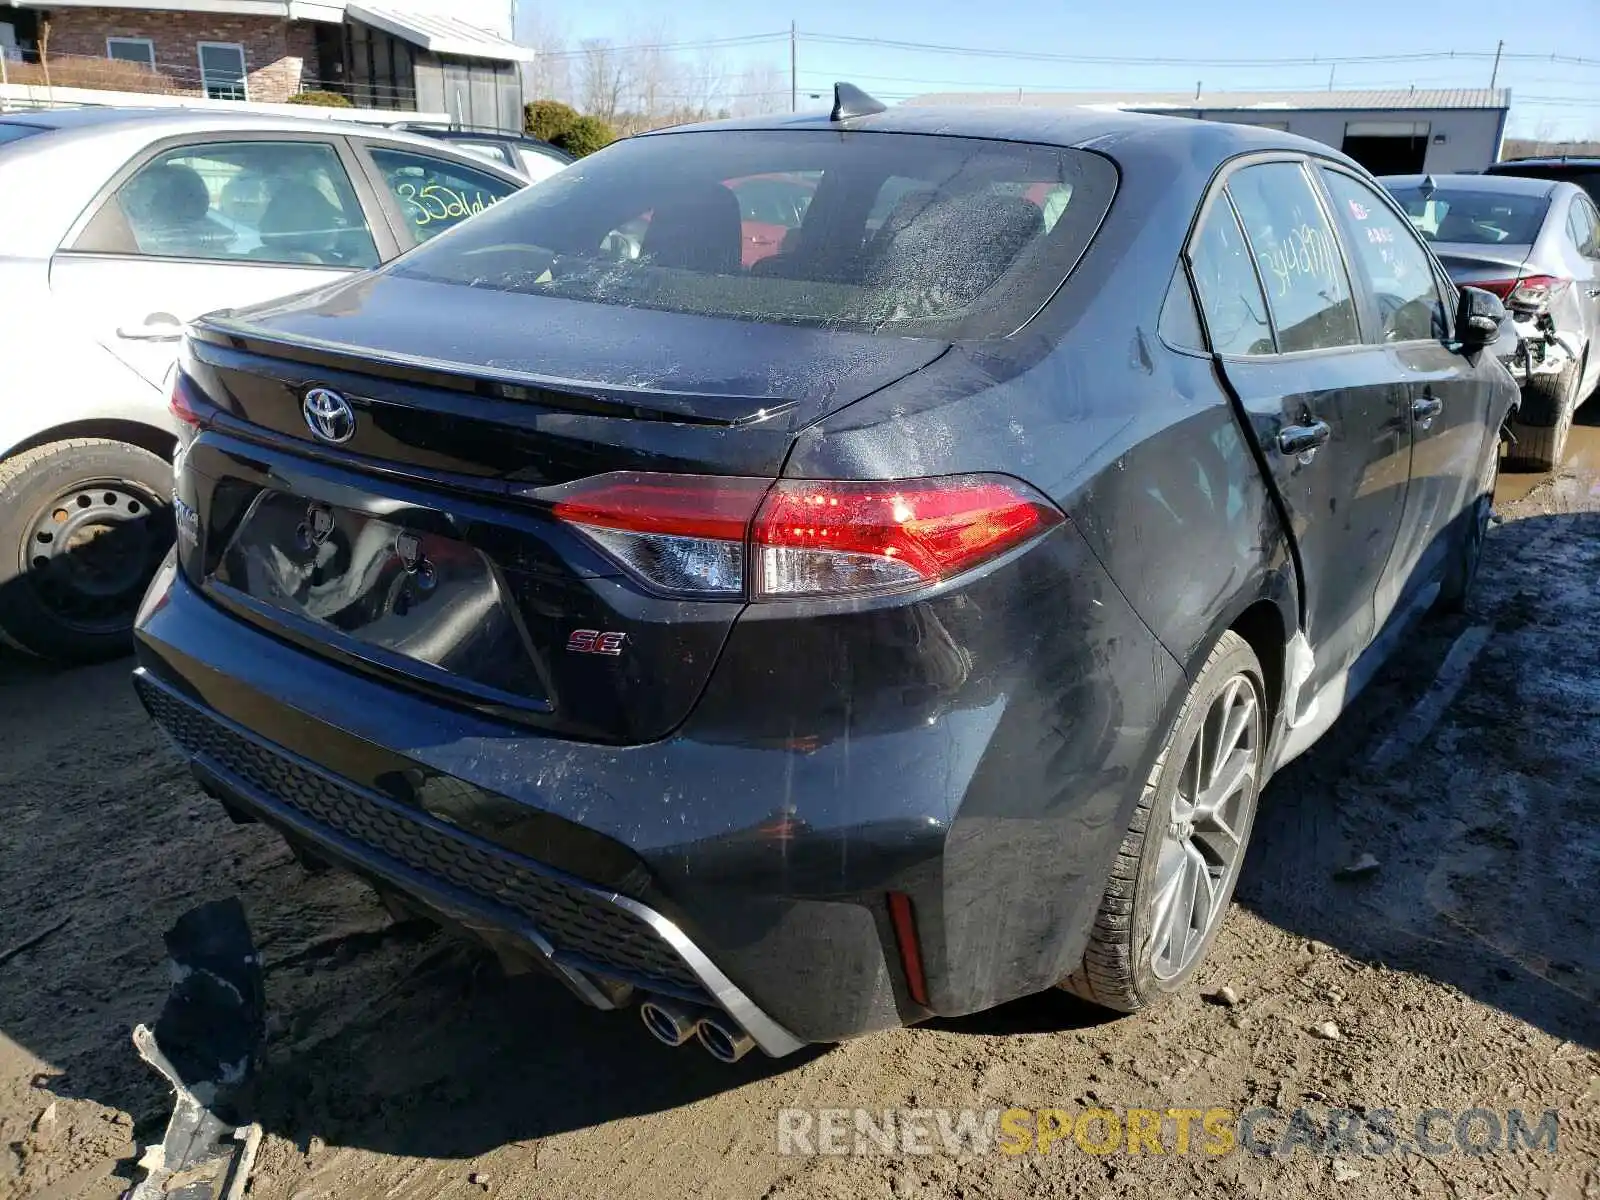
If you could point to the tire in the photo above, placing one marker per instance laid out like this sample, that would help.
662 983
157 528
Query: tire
1462 572
1543 422
84 525
1130 962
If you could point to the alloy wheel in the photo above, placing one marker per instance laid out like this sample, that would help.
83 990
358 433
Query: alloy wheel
1202 846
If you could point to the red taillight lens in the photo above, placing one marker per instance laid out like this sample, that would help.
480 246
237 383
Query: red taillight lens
1528 291
1536 291
679 533
819 538
184 404
690 533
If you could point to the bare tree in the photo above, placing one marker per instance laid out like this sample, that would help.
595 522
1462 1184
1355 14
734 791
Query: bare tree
605 77
658 79
759 88
549 76
705 81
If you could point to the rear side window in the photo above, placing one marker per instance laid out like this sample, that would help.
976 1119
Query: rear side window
1230 290
898 233
15 133
1584 228
434 194
1308 291
269 202
1397 269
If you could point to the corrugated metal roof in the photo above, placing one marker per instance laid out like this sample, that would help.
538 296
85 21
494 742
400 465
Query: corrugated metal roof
442 35
1388 98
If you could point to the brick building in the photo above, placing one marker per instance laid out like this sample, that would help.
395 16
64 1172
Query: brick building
420 57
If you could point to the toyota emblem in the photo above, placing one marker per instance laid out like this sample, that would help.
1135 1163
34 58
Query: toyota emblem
329 415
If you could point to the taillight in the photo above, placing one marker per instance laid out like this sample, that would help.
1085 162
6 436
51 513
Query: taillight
185 403
1527 292
822 538
679 533
734 537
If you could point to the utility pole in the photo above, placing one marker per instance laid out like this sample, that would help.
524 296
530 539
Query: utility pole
1331 70
794 78
1495 74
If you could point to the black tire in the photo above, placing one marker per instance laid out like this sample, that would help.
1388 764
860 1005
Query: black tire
1544 420
84 524
1118 970
1462 572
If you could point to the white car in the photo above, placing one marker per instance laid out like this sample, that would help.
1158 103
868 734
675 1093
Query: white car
117 226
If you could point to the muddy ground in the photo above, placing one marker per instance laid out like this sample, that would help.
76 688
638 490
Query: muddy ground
1464 972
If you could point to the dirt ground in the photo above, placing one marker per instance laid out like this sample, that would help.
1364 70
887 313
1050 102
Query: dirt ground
1464 972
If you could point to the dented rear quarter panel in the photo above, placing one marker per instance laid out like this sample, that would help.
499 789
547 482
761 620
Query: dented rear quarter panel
1172 535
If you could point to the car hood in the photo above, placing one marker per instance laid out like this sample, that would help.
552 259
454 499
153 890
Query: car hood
706 369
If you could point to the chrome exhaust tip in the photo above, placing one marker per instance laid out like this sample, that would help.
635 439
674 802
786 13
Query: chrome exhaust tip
723 1040
670 1022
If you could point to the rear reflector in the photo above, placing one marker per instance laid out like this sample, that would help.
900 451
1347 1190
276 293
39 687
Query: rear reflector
905 934
695 534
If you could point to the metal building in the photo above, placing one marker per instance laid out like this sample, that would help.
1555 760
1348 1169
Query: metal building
1390 132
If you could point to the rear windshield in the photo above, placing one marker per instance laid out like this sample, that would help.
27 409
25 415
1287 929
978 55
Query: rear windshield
876 232
12 133
1585 176
1473 218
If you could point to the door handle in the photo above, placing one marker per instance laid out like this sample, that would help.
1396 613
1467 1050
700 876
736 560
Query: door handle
1303 441
1424 409
157 327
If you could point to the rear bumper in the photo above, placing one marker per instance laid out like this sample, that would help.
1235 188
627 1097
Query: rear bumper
732 863
591 938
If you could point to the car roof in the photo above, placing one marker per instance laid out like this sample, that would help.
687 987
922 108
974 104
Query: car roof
165 122
1585 161
1092 127
1511 185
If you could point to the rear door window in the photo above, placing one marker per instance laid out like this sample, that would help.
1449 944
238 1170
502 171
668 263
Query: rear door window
255 201
884 232
1230 289
435 194
1308 289
1398 272
1583 226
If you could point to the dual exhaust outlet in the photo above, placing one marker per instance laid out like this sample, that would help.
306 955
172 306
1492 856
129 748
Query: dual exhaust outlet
673 1023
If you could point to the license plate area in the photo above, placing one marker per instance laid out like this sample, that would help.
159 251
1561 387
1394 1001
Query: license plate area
382 590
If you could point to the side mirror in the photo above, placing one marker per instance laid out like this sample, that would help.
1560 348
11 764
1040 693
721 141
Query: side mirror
1479 318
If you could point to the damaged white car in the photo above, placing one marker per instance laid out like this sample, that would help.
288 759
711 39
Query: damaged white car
1535 243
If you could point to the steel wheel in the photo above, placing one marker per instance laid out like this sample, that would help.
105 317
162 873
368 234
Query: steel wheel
1202 846
91 551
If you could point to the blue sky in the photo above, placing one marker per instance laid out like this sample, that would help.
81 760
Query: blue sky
1562 100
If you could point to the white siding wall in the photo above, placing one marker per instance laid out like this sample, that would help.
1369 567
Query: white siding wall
1472 136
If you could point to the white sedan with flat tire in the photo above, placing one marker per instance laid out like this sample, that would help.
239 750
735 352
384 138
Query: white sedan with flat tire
117 226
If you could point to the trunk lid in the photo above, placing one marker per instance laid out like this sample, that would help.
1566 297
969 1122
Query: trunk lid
676 366
1471 264
423 547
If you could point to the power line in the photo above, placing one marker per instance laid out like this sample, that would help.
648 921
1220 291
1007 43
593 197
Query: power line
1012 85
603 46
1320 60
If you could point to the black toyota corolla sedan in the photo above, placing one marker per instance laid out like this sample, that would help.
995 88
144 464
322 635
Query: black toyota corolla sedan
889 622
